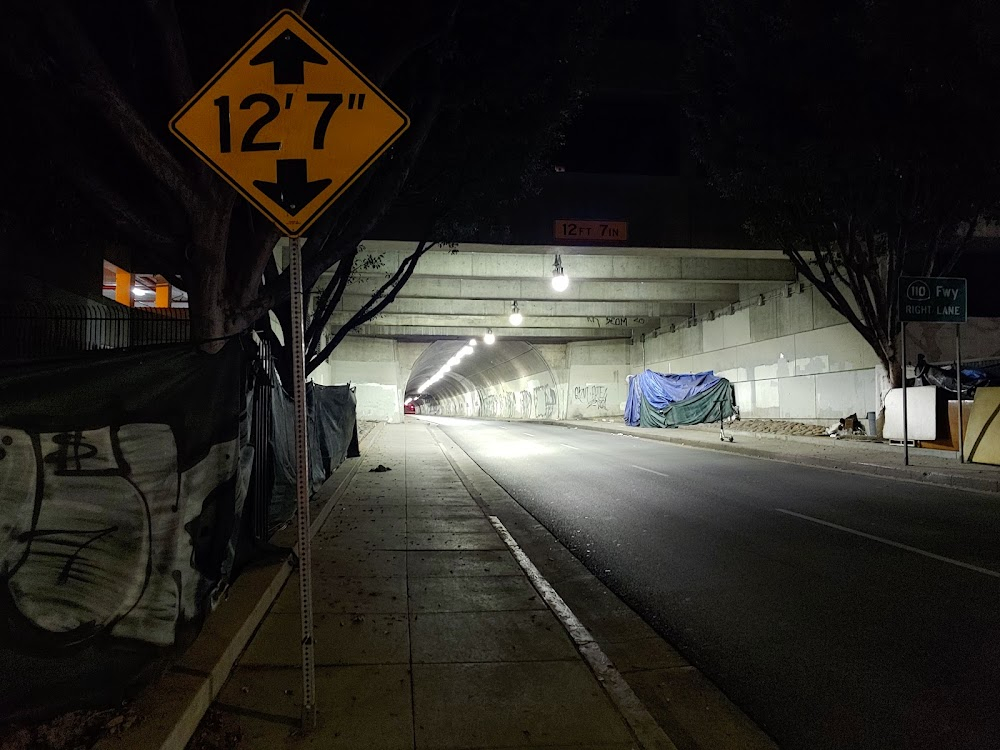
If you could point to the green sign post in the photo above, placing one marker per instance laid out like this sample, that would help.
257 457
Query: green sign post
931 299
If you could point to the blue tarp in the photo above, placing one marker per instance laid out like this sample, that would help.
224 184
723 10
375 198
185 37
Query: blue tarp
661 390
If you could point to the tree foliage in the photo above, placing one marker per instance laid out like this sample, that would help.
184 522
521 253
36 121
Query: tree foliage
860 137
488 88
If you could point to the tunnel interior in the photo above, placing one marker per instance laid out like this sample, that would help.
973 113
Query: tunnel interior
504 379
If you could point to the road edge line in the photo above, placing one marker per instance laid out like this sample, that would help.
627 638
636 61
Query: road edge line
649 734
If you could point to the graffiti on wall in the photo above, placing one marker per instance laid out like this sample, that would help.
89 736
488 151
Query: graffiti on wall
591 396
98 529
501 405
540 402
615 321
545 402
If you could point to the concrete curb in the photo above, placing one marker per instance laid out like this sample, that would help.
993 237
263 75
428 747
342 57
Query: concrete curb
689 710
926 475
172 707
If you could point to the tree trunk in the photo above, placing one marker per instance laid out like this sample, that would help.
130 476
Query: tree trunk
207 294
895 371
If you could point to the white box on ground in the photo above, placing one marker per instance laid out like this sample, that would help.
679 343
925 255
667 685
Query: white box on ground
921 411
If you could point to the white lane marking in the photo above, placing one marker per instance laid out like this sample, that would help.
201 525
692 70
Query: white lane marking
877 466
649 733
898 545
529 434
643 468
567 445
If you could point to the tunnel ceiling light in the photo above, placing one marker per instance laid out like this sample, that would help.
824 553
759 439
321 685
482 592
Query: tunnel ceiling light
560 281
454 361
140 291
473 342
465 351
515 315
489 338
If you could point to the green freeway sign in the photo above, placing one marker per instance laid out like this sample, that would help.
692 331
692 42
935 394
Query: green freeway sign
933 300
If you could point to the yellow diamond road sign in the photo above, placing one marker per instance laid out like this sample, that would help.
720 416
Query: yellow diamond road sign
289 123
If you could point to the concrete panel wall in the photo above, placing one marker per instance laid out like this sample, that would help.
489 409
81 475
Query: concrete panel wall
597 385
980 340
791 358
372 366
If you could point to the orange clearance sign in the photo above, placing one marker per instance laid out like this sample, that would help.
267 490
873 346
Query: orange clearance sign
289 123
601 231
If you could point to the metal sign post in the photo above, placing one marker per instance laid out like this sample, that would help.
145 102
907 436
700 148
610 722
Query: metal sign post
302 487
906 426
290 124
958 387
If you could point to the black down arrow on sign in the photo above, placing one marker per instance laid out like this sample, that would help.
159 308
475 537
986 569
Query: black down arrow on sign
289 54
292 189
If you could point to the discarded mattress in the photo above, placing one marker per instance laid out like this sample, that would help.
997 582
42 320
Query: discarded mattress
659 400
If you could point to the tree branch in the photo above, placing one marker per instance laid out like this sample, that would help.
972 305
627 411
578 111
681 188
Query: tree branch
97 87
375 305
163 14
327 303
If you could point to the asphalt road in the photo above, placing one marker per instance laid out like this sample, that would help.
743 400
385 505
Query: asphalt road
837 610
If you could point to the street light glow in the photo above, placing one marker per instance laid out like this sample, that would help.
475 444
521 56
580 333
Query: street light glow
515 314
560 281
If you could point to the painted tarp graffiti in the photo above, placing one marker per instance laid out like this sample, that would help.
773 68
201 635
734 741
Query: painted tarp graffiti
122 482
94 534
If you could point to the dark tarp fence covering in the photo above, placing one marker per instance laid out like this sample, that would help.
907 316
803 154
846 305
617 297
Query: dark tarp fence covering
332 437
124 479
661 400
122 485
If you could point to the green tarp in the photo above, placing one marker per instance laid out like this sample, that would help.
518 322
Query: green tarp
712 405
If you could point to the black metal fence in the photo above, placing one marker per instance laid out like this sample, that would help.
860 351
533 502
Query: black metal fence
262 381
33 331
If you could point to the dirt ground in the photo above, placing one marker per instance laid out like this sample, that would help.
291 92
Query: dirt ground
76 730
81 730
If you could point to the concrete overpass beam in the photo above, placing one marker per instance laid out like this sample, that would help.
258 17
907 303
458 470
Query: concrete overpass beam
595 291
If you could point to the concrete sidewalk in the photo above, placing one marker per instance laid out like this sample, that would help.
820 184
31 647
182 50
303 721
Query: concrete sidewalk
859 456
429 633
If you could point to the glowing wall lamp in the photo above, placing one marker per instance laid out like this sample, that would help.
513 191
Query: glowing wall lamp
515 315
560 281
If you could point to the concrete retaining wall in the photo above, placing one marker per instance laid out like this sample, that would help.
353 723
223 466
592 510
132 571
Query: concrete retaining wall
372 366
791 358
795 358
597 378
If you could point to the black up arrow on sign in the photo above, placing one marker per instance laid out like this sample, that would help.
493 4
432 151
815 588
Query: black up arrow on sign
292 189
289 54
